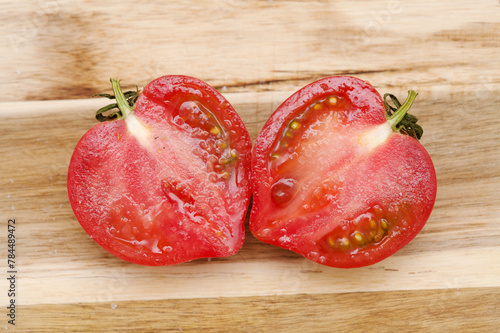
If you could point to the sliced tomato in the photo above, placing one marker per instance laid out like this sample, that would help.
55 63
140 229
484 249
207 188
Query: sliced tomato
169 181
334 179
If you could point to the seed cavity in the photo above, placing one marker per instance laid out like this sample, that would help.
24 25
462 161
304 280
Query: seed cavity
368 228
212 138
298 126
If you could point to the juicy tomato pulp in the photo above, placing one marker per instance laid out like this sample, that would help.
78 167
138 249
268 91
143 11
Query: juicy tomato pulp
170 182
333 182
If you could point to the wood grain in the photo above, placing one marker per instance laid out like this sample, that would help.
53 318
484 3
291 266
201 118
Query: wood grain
64 49
384 312
55 54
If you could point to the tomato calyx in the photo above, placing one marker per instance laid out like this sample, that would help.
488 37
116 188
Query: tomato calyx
399 118
125 103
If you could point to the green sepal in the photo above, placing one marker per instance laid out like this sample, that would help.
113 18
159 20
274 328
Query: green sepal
112 116
130 97
408 123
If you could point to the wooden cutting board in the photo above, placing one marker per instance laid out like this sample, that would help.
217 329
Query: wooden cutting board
55 54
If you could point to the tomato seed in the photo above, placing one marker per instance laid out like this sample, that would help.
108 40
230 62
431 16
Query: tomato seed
234 153
295 125
339 243
358 237
332 100
378 237
384 225
332 241
215 130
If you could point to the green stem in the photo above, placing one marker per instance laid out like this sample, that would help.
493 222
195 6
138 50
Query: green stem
125 103
121 100
400 113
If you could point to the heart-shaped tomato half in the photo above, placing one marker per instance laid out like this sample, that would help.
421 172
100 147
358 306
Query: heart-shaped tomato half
337 179
168 181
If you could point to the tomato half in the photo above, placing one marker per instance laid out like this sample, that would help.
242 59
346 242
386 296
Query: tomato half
167 182
334 179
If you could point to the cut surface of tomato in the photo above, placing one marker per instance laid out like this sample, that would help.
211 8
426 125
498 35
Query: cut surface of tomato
169 181
334 180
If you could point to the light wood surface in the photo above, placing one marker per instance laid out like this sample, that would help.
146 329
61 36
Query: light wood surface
56 53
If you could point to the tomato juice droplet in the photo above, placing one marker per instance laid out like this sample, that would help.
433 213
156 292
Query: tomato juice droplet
283 191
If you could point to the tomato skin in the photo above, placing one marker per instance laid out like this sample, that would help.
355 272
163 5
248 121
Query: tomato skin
168 184
367 200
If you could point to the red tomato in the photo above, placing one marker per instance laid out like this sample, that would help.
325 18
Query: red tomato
168 181
335 181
